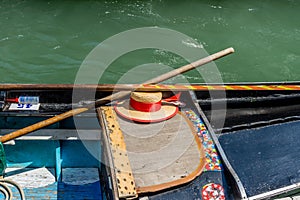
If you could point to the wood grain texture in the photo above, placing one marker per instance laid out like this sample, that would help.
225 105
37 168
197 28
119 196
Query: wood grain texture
123 173
163 155
39 183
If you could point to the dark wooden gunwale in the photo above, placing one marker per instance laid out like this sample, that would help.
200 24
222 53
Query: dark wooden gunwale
118 87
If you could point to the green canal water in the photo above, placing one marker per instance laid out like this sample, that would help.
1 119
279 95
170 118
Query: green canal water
46 41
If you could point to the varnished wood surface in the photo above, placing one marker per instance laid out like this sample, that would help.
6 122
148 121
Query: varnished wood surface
120 161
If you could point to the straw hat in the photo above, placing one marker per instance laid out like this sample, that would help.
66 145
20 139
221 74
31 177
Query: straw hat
145 107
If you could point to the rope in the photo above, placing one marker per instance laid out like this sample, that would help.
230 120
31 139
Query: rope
6 191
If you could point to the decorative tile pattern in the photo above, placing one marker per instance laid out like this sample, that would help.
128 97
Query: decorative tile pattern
213 162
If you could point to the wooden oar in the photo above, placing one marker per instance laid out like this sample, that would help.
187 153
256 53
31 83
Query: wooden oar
114 96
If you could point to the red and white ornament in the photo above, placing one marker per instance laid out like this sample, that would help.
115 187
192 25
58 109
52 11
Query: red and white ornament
213 191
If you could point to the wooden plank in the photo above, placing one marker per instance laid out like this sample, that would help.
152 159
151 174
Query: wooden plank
39 183
80 176
121 165
32 177
111 183
164 154
58 134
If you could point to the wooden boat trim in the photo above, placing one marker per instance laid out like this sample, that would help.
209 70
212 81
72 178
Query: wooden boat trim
161 87
121 164
188 178
107 156
240 186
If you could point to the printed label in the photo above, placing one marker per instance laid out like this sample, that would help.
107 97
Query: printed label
18 106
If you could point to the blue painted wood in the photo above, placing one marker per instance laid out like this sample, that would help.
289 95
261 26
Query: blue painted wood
58 168
88 191
54 154
49 192
74 153
63 191
31 153
80 153
39 183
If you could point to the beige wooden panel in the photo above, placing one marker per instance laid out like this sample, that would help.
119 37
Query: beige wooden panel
123 173
164 154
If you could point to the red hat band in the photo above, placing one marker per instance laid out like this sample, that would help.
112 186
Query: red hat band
145 107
